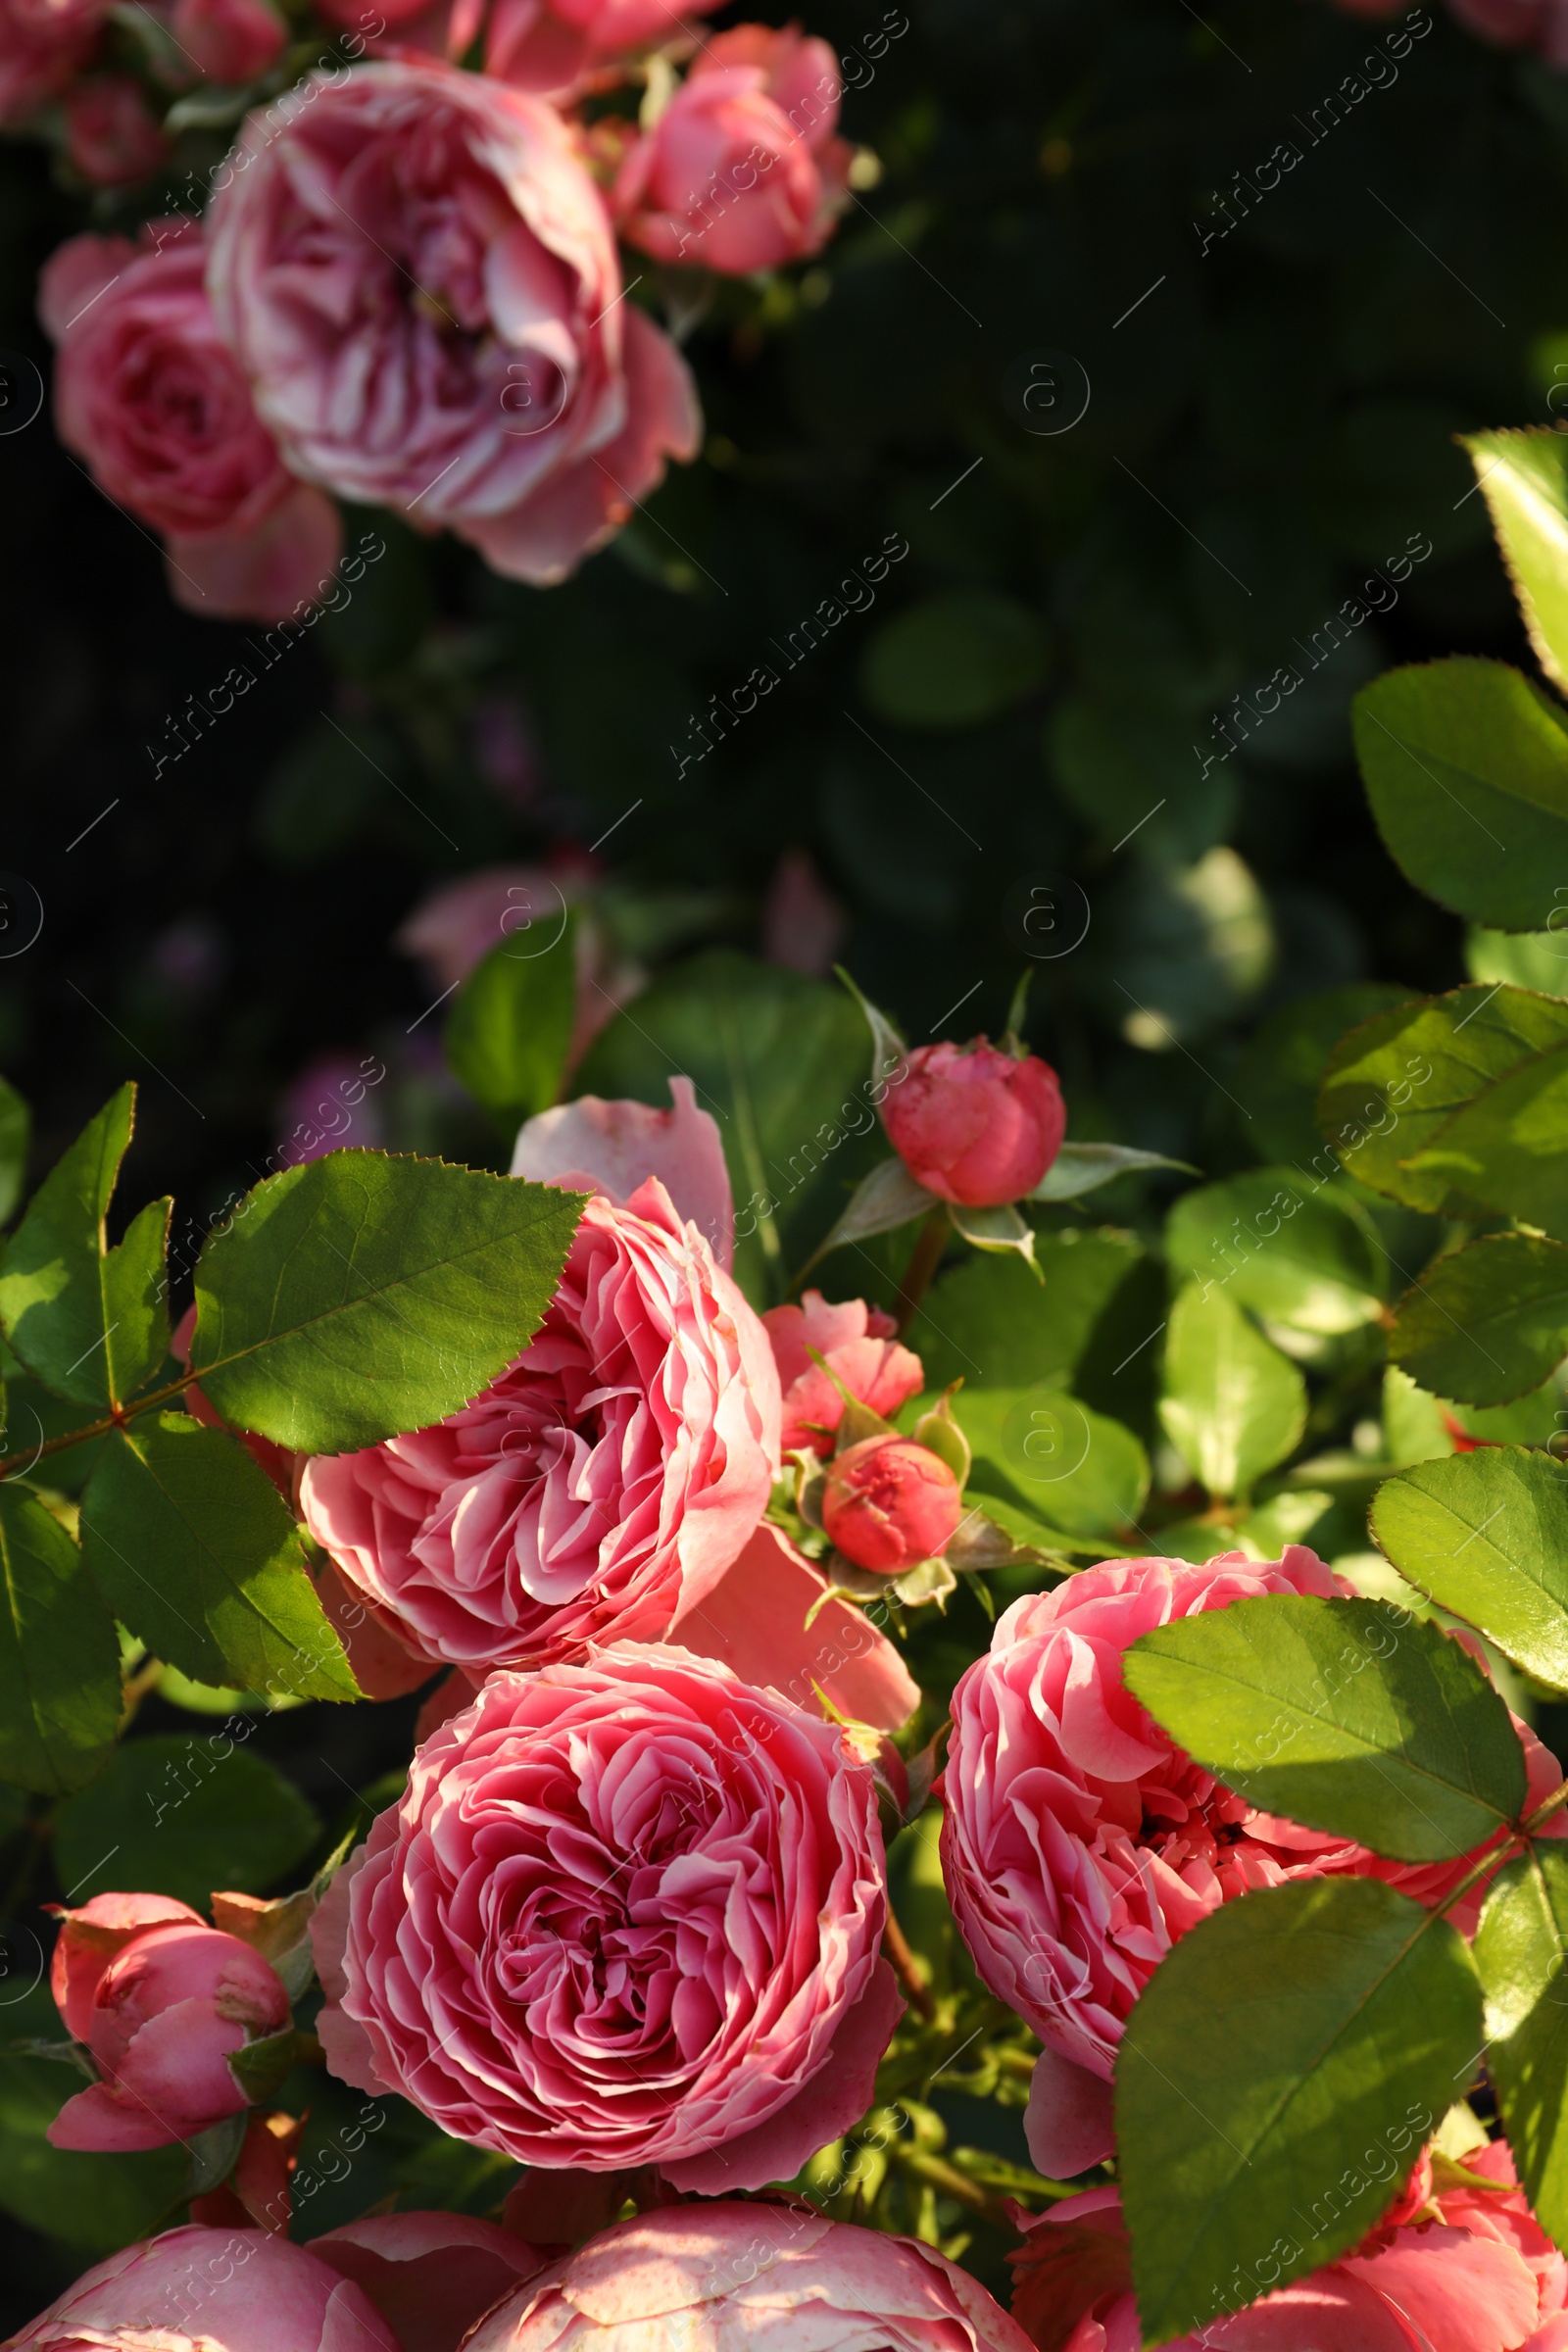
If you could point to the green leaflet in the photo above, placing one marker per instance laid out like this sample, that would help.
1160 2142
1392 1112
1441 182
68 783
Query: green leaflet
59 1658
1486 1534
1486 1323
509 1029
1233 1405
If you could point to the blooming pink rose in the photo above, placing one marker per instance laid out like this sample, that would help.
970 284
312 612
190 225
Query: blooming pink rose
599 1489
418 278
110 137
455 926
147 393
1079 1842
612 1147
858 1343
229 40
429 2274
42 44
887 1503
628 1912
712 2278
972 1124
1451 2270
167 2008
552 46
742 170
237 2291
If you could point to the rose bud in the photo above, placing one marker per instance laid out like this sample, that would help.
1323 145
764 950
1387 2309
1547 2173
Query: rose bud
229 40
887 1503
110 137
165 2012
857 1345
972 1124
89 1939
228 2291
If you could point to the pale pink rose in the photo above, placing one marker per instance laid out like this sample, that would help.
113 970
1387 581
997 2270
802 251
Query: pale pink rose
225 2290
974 1124
42 44
553 46
856 1342
110 137
429 2274
599 1489
628 1912
148 394
779 2278
229 40
1451 2269
742 170
614 1146
418 278
173 2001
1078 1842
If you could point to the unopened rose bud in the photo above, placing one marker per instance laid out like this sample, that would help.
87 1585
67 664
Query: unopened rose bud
229 40
887 1503
972 1124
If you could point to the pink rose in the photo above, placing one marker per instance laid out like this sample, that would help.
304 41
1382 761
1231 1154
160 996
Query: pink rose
599 1489
110 139
168 2003
742 170
972 1124
239 2290
42 44
229 40
1455 2269
1078 1842
858 1343
628 1913
147 393
1540 25
802 923
91 1936
887 1503
418 278
429 2274
551 46
612 1148
712 2277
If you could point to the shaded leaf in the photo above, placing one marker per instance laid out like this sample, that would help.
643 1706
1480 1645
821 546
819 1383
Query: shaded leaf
181 1817
1278 1243
58 1656
1080 1168
1485 1536
1486 1323
1522 1952
1233 1405
511 1027
1524 480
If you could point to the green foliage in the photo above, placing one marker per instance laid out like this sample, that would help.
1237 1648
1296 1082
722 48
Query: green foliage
1346 1715
1042 1452
989 1324
1284 2030
365 1294
93 2203
184 1817
59 1659
1279 1074
1520 1949
1486 1323
510 1025
1233 1405
193 1545
952 661
1466 767
1486 1534
15 1134
1286 1249
1524 479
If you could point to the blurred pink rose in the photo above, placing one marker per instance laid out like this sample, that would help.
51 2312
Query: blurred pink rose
166 2011
453 928
628 1912
714 2278
554 45
742 170
147 393
239 2290
855 1340
1540 25
110 137
1447 2270
802 922
429 2274
614 1146
229 40
1078 1842
599 1489
42 44
887 1503
330 1106
972 1124
418 278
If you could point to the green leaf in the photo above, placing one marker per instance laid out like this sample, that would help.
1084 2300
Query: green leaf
58 1656
15 1134
780 1062
1487 1322
1484 1535
1536 959
1045 1453
88 1320
1279 1074
95 2202
1282 2030
1507 1149
361 1296
952 661
881 1202
1080 1168
1233 1405
1282 1245
195 1550
996 1228
1392 1083
1466 766
184 1817
1524 480
991 1324
511 1027
1346 1715
1520 1949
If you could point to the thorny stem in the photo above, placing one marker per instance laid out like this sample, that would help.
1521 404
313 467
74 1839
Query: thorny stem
924 1260
96 1429
1519 1838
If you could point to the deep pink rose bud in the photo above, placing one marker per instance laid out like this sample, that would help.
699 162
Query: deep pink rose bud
89 1939
165 2012
973 1125
229 40
887 1503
